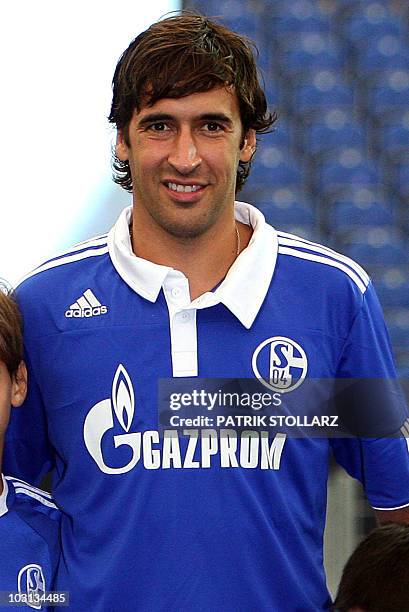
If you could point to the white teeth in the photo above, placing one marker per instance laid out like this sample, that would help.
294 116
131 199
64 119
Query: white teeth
184 188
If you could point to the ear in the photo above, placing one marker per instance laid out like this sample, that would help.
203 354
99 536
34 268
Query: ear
249 146
121 148
19 386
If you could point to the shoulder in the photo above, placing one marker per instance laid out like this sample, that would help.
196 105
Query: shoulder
33 500
56 270
34 527
56 284
316 261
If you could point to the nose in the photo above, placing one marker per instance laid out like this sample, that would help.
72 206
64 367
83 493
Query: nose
184 156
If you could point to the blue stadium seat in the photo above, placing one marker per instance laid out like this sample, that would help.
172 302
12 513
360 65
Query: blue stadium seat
394 138
398 325
392 286
387 53
299 16
308 53
272 91
309 232
336 129
391 95
245 19
247 24
327 90
281 136
402 182
402 367
347 167
274 166
404 214
373 19
346 213
352 7
378 246
206 7
264 59
286 206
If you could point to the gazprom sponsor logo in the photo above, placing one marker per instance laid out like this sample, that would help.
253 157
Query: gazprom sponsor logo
110 429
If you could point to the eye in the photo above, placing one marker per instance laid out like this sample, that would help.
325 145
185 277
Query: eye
159 126
211 126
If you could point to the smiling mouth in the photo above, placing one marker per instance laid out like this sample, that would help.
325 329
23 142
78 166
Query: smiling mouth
178 188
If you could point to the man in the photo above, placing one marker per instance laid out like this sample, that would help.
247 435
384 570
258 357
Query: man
29 520
376 577
189 284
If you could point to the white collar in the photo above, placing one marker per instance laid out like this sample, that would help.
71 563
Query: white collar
242 291
3 496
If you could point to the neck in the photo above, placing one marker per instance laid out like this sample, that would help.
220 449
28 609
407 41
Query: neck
204 260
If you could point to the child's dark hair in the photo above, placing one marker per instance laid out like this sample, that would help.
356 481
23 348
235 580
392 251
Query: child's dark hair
11 339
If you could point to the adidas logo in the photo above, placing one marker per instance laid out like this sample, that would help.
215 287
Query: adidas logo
86 306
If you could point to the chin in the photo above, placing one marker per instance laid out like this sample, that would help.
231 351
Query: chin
185 232
191 228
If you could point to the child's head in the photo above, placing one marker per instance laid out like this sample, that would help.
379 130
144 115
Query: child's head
13 375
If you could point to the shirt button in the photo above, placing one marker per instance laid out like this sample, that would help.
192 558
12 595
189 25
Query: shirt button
184 317
176 291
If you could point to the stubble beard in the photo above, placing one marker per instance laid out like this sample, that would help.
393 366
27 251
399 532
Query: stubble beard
189 229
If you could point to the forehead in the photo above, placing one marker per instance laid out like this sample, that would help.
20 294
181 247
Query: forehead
221 100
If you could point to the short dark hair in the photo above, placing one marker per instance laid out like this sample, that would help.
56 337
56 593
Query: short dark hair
11 339
181 55
376 576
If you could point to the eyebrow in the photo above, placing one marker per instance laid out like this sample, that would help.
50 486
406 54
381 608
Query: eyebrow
157 117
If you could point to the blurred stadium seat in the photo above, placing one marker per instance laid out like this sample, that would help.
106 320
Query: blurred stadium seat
299 16
402 367
348 212
398 325
280 136
402 182
286 206
274 166
377 246
393 139
377 56
308 52
345 167
391 95
334 130
369 20
326 90
392 285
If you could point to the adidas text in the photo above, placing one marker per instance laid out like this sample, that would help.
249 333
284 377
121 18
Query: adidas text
79 313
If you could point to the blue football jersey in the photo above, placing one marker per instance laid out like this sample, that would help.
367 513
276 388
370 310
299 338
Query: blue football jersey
29 545
199 520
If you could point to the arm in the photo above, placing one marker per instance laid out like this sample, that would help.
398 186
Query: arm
380 463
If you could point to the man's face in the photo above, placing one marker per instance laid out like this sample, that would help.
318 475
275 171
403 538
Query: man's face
183 155
12 392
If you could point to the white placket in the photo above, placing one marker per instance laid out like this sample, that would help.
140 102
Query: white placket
182 321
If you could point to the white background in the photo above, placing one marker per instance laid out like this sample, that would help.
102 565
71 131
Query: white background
57 61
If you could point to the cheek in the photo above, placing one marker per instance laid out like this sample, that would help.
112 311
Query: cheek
5 403
146 161
224 161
